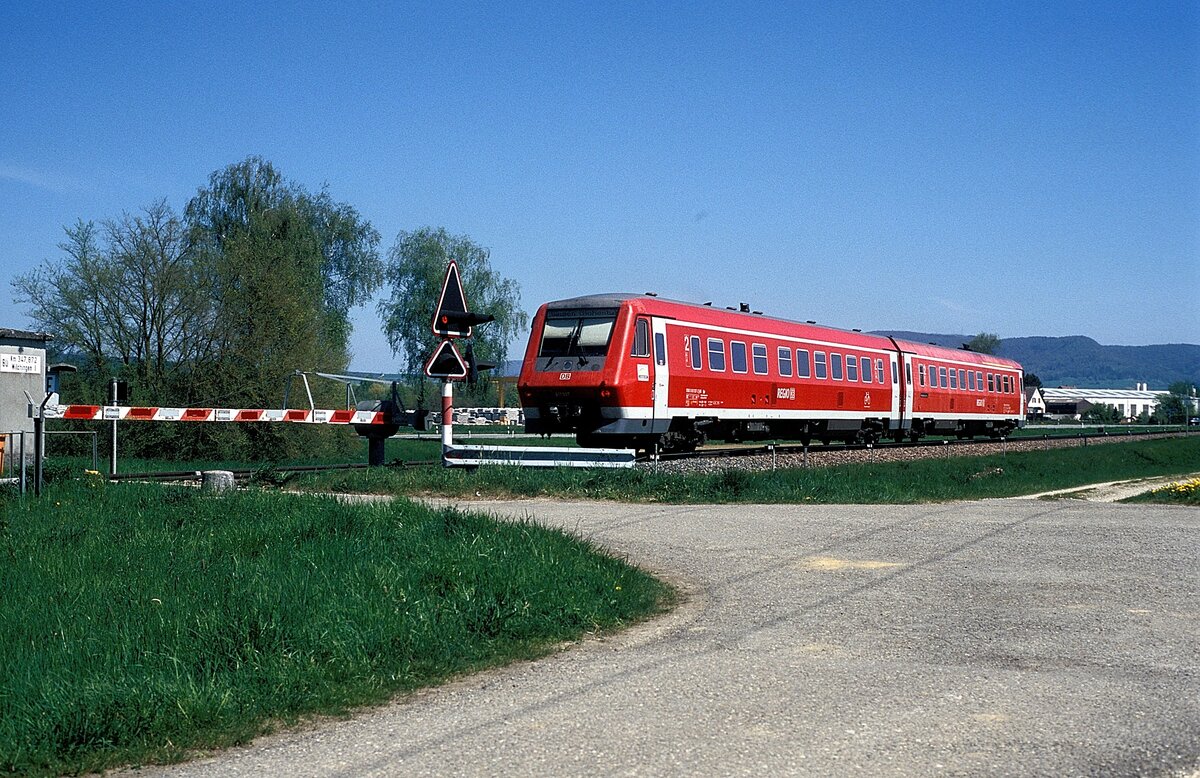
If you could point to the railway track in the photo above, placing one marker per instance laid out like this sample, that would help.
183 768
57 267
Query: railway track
730 452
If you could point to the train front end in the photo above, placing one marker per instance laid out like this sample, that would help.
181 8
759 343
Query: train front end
568 377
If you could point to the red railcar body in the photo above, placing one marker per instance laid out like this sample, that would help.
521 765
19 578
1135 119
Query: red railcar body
637 370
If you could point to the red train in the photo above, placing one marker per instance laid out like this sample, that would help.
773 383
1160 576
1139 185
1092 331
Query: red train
639 371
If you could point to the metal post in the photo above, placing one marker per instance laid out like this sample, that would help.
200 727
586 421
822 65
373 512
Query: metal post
447 418
39 446
24 479
804 462
112 462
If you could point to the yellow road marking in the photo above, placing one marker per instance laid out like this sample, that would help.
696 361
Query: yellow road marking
831 563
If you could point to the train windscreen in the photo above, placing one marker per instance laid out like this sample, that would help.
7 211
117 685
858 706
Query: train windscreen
577 333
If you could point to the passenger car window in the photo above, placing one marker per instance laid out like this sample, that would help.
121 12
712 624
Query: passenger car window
879 372
835 366
785 361
819 359
716 355
759 352
921 374
866 370
660 348
737 356
851 367
697 357
942 377
802 370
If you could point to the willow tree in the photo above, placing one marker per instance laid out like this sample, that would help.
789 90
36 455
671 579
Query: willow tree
416 268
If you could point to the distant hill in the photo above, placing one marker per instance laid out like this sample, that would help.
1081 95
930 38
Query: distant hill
1081 361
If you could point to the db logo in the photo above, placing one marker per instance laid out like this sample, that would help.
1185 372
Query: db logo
564 376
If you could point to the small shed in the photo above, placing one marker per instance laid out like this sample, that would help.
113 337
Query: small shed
22 369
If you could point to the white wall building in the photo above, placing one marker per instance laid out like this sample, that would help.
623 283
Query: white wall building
1067 401
22 369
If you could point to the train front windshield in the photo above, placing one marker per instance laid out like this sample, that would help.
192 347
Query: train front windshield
577 334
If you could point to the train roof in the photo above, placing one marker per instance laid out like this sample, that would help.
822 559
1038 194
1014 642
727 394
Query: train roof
959 355
651 302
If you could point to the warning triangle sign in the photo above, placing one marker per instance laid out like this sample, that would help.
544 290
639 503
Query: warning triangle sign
446 362
451 318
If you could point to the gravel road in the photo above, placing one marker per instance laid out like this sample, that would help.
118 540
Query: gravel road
1006 637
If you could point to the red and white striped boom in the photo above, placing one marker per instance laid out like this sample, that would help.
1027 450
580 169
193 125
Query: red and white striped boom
295 415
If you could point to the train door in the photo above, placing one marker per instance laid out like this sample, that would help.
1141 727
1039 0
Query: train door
906 386
898 406
662 418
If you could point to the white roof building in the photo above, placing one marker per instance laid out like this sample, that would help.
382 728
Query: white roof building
1066 401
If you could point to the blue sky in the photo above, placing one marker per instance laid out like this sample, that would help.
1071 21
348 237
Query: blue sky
1018 168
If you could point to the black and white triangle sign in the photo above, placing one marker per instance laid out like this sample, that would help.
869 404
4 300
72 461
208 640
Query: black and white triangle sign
450 316
446 362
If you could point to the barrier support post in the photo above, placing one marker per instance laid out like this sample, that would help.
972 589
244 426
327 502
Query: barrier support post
112 461
447 418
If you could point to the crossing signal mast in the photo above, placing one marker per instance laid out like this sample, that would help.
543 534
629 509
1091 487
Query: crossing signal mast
452 320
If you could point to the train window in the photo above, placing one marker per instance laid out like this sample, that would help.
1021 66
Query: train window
785 361
835 367
921 374
1007 384
697 357
991 382
953 378
879 371
971 379
942 382
660 348
819 359
802 370
979 380
962 379
851 367
716 355
737 356
867 367
908 373
580 333
759 352
641 339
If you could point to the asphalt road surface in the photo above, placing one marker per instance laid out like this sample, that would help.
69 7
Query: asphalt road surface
1007 637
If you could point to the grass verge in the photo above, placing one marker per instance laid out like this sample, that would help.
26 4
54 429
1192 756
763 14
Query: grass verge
139 622
923 480
1179 493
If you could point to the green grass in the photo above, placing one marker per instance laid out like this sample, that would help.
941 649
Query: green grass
140 621
1179 493
923 480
